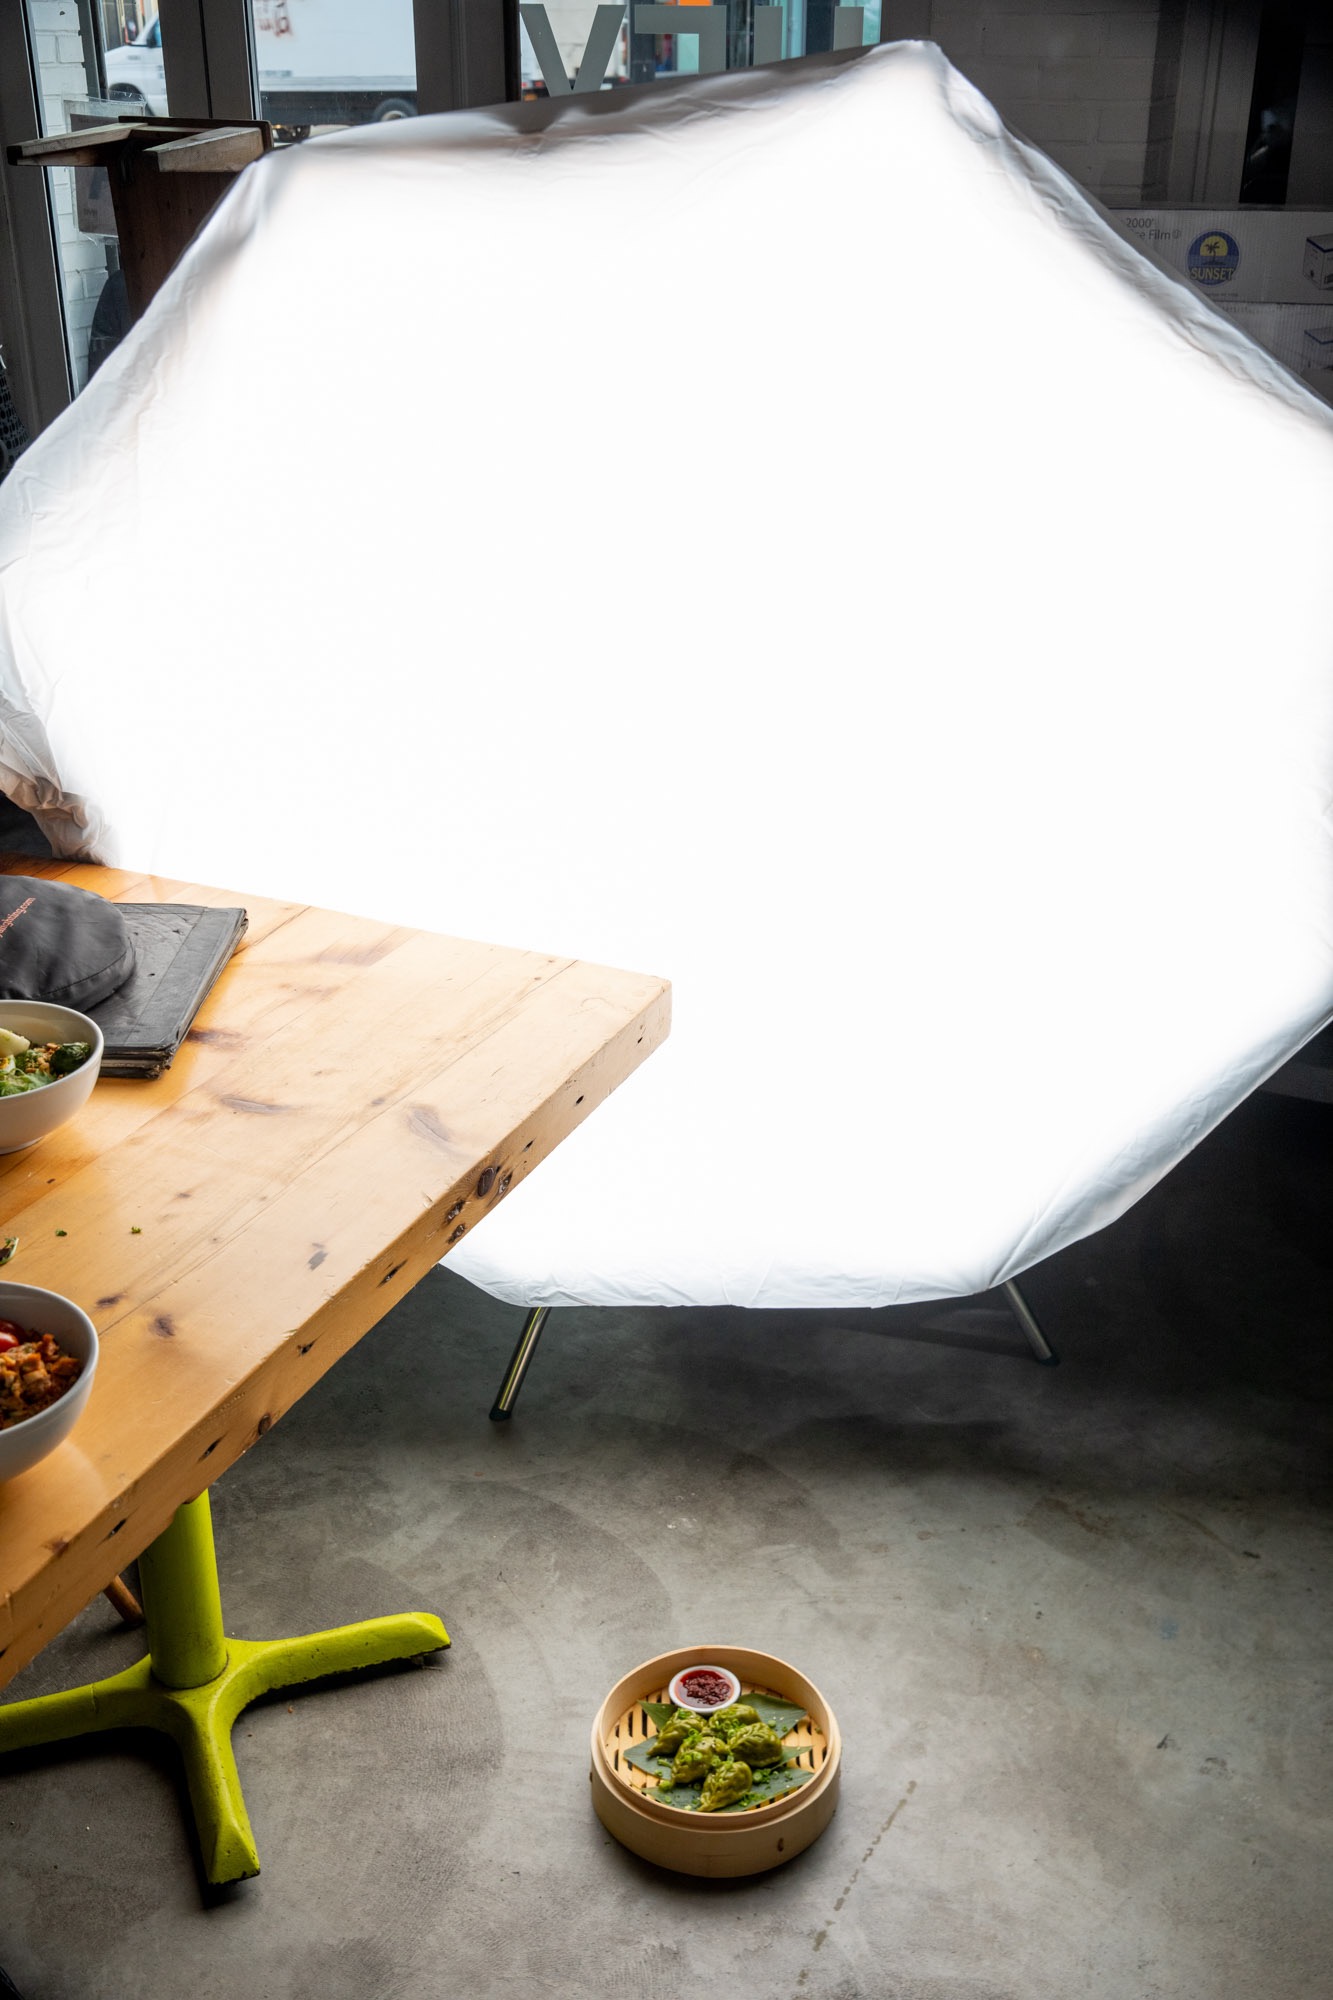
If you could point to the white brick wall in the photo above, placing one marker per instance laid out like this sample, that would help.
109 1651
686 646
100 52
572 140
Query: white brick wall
62 75
1074 76
1123 124
1041 37
956 28
59 81
1133 35
989 7
1055 126
53 15
1096 80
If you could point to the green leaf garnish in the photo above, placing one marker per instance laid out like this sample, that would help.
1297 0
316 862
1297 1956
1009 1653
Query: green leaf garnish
771 1782
780 1715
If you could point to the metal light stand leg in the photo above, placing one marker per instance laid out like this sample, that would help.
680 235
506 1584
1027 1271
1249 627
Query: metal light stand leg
195 1682
1041 1348
503 1407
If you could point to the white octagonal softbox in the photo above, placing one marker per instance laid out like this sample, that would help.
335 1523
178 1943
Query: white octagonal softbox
769 531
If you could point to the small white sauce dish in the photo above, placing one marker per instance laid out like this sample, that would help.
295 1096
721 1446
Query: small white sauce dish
683 1700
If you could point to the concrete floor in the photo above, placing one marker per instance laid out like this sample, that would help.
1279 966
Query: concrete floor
1074 1624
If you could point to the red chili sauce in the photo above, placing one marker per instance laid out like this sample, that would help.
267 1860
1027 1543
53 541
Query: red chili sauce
701 1685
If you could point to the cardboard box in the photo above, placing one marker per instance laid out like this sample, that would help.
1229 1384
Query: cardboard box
1300 337
1263 256
1318 351
1319 261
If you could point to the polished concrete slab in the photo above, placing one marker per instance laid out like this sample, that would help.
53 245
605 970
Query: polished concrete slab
1074 1622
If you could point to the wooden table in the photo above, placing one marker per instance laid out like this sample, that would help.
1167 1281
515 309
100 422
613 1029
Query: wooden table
353 1097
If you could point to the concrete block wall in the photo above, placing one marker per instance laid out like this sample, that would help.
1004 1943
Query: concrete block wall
1077 77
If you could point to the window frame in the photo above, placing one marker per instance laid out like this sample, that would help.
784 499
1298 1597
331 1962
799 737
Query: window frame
467 54
32 310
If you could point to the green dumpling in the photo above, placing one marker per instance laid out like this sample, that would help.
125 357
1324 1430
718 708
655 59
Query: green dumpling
728 1720
696 1758
757 1744
670 1737
722 1787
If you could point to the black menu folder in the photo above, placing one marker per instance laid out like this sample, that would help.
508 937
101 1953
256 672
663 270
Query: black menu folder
179 950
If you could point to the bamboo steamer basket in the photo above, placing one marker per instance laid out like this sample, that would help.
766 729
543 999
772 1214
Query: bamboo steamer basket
713 1844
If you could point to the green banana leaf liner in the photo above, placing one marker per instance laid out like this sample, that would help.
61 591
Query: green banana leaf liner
774 1781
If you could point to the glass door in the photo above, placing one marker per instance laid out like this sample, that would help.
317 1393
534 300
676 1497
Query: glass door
132 63
321 65
94 60
307 66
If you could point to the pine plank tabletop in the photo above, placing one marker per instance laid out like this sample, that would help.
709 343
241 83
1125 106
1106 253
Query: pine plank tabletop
234 1226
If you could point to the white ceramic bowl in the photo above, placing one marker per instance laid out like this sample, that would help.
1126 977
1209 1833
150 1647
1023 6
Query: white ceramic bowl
38 1311
682 1700
25 1119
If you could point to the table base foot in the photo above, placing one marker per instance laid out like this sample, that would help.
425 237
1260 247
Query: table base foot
199 1720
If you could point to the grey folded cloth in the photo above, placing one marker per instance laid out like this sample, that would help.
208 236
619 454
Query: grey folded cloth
179 950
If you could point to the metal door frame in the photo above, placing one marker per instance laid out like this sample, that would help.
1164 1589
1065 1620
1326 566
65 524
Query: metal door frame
32 310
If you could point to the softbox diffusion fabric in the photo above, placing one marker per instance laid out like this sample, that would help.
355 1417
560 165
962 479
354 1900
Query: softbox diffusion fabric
769 531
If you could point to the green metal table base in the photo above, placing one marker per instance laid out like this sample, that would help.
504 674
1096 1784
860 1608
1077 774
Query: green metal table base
195 1682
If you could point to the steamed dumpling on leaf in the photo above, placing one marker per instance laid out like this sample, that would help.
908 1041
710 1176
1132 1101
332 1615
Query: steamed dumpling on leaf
757 1744
722 1787
728 1720
697 1757
673 1734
